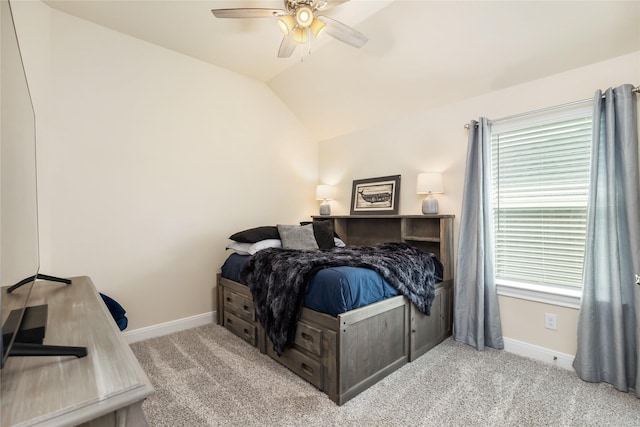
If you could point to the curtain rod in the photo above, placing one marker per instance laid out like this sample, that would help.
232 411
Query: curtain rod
634 90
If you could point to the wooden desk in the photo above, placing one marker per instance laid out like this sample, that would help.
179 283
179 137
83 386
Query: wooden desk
105 388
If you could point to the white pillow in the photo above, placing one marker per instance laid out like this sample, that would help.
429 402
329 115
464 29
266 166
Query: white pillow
264 244
240 248
252 248
339 243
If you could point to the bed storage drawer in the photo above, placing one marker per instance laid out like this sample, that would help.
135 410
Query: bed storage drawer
240 305
309 338
241 328
303 365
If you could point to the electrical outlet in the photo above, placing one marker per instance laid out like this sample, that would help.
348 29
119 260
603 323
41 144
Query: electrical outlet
550 321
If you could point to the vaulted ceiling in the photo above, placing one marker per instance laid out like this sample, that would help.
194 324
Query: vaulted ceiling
420 54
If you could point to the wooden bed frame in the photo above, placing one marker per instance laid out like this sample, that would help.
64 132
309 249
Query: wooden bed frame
344 355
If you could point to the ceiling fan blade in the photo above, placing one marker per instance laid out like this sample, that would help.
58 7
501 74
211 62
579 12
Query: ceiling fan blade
287 46
248 13
328 4
344 33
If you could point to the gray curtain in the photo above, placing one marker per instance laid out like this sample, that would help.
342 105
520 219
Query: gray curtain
608 323
476 312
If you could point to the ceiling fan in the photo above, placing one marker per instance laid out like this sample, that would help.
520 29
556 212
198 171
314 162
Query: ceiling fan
297 20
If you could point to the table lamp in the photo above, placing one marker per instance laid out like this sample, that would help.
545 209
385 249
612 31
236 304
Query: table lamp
429 183
324 193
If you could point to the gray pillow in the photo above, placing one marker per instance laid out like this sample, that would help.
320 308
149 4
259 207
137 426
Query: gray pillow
297 236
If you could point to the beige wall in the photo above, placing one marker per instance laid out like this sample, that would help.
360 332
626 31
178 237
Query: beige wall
523 320
149 160
435 140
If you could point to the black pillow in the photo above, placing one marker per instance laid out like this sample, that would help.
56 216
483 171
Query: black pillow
323 232
253 235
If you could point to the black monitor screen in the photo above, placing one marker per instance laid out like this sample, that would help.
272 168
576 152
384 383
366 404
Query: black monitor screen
19 257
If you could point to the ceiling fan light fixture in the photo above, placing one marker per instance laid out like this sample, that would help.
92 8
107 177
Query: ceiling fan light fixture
286 24
297 22
317 27
304 16
300 35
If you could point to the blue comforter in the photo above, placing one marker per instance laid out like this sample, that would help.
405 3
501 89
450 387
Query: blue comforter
332 290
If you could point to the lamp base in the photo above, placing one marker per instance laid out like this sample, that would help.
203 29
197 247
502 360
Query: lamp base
430 205
325 209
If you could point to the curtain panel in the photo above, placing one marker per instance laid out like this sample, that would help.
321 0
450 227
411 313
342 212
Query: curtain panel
476 311
608 323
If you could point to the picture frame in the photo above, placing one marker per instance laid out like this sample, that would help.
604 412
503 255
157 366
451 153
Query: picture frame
376 196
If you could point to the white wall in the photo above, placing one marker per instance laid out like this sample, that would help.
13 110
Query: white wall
149 160
435 140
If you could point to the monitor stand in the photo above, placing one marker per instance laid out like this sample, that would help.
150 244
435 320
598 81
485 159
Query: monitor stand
32 327
30 334
30 349
38 276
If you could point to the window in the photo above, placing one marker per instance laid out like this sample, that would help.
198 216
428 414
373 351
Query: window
540 171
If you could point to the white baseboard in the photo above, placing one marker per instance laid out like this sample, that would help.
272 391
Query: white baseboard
542 354
169 327
520 348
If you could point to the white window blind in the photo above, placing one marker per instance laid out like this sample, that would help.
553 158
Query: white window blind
540 171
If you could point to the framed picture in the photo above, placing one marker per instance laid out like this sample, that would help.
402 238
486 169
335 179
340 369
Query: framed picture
376 195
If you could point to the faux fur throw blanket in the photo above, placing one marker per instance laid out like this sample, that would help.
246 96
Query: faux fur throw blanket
278 280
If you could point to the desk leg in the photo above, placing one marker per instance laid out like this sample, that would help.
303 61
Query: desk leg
130 416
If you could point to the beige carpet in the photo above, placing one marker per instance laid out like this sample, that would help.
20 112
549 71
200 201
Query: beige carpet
208 377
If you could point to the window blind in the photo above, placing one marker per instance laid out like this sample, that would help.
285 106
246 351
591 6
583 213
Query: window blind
540 175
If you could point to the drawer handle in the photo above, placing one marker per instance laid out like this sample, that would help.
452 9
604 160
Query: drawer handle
229 299
246 308
307 337
246 332
229 321
308 369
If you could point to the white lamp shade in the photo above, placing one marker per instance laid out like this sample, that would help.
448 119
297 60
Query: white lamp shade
286 24
324 192
300 35
317 27
304 16
429 182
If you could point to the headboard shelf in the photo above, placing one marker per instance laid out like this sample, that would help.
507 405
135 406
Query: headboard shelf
430 233
422 239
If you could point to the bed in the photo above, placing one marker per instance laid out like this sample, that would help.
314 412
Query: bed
344 354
